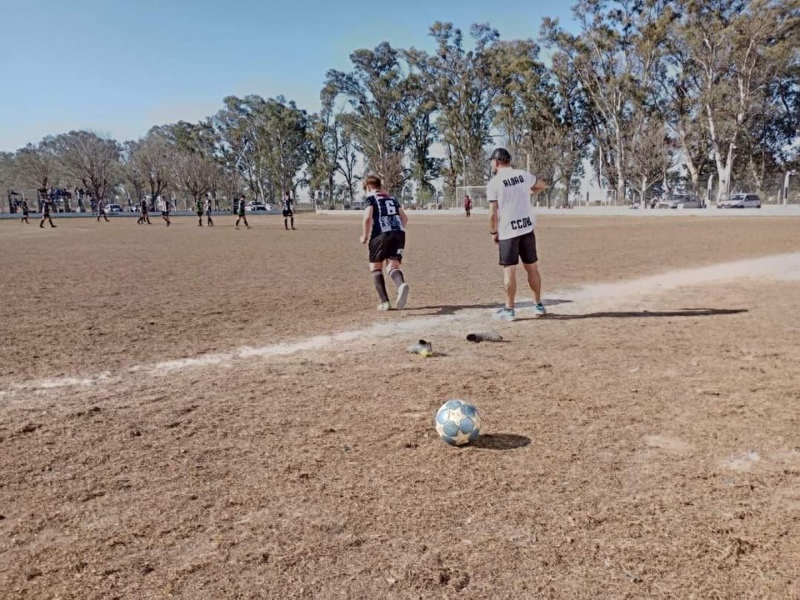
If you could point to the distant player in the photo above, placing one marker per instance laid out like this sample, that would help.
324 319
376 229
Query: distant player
287 204
101 211
144 217
511 226
384 227
165 212
241 215
47 207
25 212
198 209
209 208
468 205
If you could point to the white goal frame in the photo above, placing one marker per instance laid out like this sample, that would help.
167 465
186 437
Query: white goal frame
476 192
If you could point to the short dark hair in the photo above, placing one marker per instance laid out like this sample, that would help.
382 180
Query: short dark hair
373 181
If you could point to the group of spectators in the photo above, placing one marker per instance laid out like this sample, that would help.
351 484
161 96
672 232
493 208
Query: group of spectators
61 200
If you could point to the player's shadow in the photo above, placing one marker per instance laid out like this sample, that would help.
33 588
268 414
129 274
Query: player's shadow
455 308
501 441
644 314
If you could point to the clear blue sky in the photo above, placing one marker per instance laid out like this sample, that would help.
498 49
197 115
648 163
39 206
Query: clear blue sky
119 67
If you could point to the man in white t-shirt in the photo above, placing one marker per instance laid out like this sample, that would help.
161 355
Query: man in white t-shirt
512 220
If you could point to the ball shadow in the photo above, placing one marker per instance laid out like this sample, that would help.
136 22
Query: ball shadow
501 441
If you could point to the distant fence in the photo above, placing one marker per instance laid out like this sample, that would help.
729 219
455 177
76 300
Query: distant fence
770 189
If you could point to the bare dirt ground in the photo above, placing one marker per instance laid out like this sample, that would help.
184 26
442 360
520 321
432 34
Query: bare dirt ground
634 446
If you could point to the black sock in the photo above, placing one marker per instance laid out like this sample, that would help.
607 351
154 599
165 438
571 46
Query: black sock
286 223
380 285
397 277
292 222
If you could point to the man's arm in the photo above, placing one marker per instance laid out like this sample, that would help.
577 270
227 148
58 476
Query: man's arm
538 187
403 215
493 220
366 224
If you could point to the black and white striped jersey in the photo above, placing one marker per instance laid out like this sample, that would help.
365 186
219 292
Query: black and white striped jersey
385 213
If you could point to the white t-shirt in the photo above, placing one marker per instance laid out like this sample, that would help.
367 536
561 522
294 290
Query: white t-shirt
511 189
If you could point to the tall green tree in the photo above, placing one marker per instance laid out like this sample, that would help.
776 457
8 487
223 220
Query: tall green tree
734 50
375 91
286 127
615 57
465 91
239 129
324 136
420 123
540 115
265 140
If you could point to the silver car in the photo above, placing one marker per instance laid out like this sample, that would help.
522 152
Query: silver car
676 200
741 201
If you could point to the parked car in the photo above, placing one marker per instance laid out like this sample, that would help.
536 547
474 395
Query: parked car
676 200
258 207
358 205
741 201
113 209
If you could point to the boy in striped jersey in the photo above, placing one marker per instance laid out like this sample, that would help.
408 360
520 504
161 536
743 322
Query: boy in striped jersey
384 227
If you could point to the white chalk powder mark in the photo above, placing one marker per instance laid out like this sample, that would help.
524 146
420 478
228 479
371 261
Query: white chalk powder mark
782 267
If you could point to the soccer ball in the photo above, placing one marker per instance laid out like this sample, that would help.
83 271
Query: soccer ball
458 423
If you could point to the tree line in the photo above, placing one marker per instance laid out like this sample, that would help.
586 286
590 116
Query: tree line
643 93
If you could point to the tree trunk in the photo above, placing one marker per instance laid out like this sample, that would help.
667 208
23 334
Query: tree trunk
724 167
694 171
644 192
620 196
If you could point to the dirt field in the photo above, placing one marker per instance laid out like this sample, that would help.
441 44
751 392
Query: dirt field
642 441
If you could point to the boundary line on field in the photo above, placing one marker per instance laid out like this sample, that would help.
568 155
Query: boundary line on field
781 267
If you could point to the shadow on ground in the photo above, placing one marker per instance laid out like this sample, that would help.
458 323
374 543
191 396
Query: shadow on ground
454 308
640 314
501 441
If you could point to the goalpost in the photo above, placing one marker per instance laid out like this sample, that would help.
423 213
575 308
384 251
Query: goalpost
476 192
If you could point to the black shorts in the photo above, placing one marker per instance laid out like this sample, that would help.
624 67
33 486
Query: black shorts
387 246
164 213
288 213
521 247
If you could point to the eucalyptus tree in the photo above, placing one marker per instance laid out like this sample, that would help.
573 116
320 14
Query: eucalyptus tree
266 140
465 89
375 90
733 50
616 57
324 137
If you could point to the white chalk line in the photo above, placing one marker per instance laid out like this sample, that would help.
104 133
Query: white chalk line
782 267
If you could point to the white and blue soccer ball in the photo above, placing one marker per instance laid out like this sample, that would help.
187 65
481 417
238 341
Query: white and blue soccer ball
458 423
